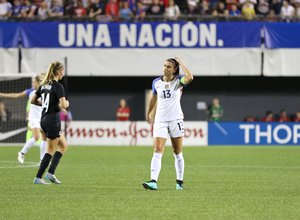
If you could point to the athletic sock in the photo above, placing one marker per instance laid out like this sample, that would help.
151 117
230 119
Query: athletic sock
28 145
42 148
179 166
54 162
155 166
44 164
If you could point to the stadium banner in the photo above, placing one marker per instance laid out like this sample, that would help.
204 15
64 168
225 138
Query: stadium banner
242 133
9 60
282 42
145 62
9 34
129 133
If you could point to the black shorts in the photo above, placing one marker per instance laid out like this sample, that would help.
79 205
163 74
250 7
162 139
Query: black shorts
51 126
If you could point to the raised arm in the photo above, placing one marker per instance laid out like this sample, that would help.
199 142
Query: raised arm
151 109
13 95
188 77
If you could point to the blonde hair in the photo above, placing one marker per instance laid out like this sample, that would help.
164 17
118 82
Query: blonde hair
52 72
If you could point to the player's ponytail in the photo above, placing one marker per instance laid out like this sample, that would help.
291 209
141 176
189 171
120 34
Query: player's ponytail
52 72
176 65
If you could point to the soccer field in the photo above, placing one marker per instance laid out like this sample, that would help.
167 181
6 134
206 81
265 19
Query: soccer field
106 183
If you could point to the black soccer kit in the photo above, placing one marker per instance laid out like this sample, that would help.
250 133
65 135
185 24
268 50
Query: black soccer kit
50 94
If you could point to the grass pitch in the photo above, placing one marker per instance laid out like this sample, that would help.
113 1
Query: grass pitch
106 183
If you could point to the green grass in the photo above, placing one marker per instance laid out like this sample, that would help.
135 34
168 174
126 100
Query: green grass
105 183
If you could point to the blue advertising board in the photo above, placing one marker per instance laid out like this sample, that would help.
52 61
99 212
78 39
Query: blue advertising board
246 133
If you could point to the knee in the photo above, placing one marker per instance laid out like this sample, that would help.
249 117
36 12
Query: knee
158 149
36 137
177 151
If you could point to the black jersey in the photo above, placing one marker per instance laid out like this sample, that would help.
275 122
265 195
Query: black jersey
50 93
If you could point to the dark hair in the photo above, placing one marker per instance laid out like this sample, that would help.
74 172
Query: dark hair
176 65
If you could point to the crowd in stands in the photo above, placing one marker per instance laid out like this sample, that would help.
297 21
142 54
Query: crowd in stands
139 10
271 117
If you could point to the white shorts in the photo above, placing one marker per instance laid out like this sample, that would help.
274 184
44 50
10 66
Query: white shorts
172 128
34 124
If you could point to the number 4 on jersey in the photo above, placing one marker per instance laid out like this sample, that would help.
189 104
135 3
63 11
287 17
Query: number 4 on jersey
45 101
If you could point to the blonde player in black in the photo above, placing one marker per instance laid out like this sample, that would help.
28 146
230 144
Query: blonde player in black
53 100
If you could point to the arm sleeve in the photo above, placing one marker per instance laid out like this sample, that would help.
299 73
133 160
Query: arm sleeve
28 91
60 91
38 92
153 86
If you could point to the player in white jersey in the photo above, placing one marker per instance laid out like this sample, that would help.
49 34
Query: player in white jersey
34 118
166 115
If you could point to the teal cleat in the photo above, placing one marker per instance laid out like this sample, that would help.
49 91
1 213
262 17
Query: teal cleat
52 178
152 185
179 185
40 181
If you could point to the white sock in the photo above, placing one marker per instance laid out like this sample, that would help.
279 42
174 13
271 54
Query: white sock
155 166
42 148
179 166
28 145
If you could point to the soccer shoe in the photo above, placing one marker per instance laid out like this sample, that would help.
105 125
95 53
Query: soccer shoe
179 185
52 178
21 157
40 181
150 185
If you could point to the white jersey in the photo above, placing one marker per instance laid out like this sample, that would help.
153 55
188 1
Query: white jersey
35 111
168 99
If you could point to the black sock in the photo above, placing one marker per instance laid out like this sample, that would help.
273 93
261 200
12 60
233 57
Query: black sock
54 162
179 182
44 164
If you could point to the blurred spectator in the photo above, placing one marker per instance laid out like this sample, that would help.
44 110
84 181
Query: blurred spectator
16 10
43 11
5 8
269 117
215 110
194 8
220 10
276 6
5 115
272 17
297 9
95 8
146 4
56 9
263 7
229 4
140 12
249 119
155 8
248 11
69 6
251 3
29 9
297 117
287 12
125 12
79 11
283 116
234 11
123 111
112 10
172 11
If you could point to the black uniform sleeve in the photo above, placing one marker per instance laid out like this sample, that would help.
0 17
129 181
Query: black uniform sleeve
60 91
38 92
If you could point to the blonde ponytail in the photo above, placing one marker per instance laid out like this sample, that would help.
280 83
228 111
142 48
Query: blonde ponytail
52 72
